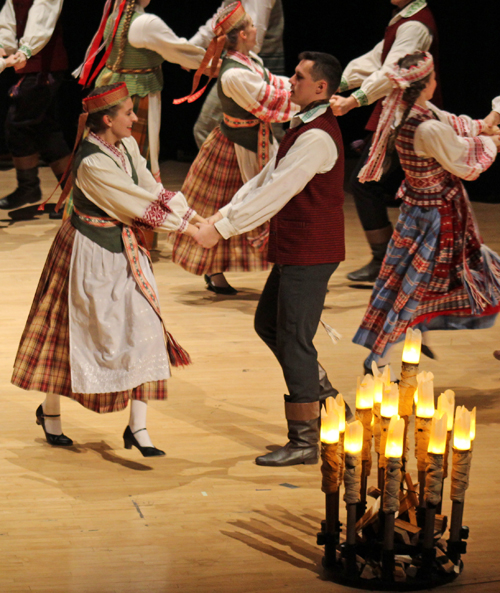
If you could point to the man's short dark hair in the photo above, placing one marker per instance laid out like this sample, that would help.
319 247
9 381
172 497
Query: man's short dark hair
326 67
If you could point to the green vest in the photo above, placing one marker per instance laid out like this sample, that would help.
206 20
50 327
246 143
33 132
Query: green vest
134 58
109 238
246 137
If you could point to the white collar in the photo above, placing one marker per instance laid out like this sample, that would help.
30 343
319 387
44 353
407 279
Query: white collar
117 153
309 115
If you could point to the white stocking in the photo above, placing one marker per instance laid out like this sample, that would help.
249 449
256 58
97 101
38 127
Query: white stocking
137 422
52 407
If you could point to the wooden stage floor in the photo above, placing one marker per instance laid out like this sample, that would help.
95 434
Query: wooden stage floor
99 519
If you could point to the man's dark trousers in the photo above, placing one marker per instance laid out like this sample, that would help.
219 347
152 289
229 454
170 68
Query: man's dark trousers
287 319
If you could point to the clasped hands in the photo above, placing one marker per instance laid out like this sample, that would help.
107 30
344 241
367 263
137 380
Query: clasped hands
207 235
18 60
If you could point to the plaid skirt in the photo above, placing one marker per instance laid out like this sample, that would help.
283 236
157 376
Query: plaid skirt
42 361
212 181
407 293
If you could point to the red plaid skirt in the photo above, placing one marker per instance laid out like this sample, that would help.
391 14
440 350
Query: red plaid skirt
42 361
211 182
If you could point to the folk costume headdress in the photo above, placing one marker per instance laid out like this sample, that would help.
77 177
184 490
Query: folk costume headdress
93 104
401 79
226 19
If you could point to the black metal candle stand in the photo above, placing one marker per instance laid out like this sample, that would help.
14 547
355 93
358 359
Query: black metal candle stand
409 567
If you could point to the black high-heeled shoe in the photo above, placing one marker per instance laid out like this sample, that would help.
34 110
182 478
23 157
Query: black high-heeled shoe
56 440
228 290
129 440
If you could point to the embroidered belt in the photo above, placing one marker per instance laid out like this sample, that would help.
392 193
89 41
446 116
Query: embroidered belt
132 70
263 138
177 355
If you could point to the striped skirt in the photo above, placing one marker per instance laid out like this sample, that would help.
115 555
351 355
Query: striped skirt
42 361
407 293
212 181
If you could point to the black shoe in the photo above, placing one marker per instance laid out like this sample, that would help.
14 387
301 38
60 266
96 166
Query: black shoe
290 455
426 351
27 191
368 273
53 215
129 440
57 440
228 290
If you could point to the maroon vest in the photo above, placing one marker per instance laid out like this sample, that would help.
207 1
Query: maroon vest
309 229
52 58
422 16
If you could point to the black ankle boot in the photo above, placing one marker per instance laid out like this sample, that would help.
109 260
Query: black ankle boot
27 192
370 272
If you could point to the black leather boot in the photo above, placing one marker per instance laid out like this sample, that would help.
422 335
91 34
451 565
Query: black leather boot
27 192
326 389
378 240
303 437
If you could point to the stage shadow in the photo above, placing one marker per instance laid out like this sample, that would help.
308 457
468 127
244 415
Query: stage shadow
486 400
297 549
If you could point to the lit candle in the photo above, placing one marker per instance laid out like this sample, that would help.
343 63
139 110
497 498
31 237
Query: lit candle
378 390
437 440
339 405
364 393
395 434
329 427
423 376
461 433
473 424
425 403
390 402
413 344
446 405
353 442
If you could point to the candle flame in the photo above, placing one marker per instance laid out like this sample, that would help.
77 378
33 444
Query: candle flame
353 442
329 427
364 393
390 402
446 404
425 403
461 432
395 435
437 441
412 347
473 424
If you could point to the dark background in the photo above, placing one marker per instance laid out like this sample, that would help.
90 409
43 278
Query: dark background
469 56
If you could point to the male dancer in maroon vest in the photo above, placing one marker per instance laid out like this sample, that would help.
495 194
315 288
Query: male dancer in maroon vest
411 29
301 192
31 31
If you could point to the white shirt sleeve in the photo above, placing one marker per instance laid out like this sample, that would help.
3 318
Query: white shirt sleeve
42 19
151 32
495 104
360 68
314 152
2 65
113 190
462 124
410 37
269 102
8 38
465 157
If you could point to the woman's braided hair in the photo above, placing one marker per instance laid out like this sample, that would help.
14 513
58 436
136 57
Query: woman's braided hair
129 13
411 94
